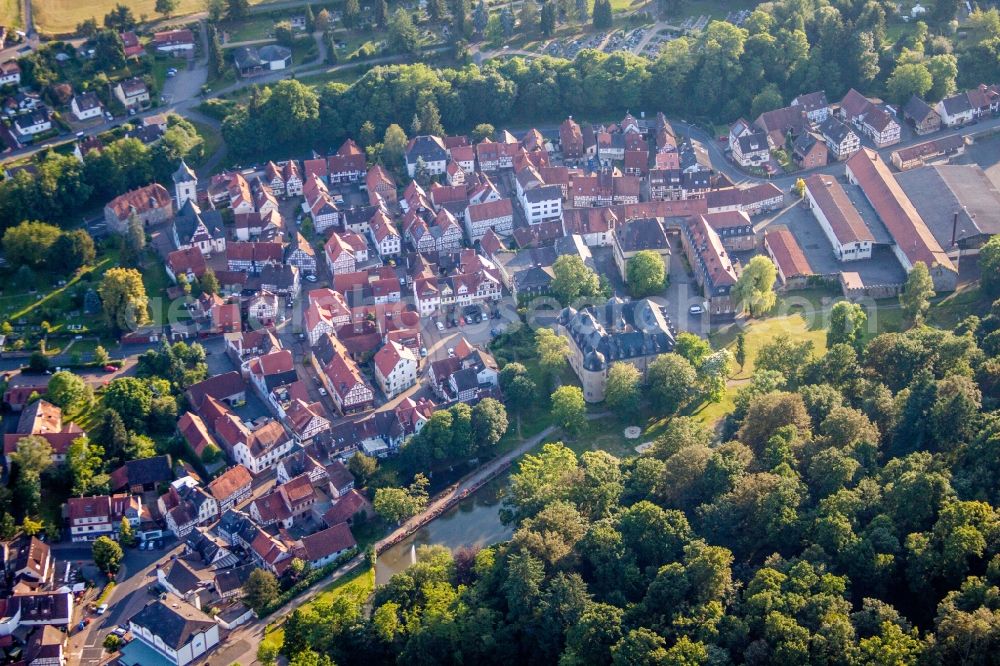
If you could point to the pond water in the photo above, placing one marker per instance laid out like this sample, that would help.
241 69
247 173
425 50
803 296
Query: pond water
475 521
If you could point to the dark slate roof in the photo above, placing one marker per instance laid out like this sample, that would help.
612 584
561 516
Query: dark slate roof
181 578
618 331
544 193
174 626
427 147
232 579
834 130
144 471
917 109
642 234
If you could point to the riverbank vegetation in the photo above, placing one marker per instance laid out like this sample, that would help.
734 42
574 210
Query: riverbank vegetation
847 513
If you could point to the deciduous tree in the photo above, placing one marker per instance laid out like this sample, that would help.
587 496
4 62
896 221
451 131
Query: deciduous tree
107 555
645 274
569 411
754 289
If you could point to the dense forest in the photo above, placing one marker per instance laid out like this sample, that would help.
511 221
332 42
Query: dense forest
847 516
784 49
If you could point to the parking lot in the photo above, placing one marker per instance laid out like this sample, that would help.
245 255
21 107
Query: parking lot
882 268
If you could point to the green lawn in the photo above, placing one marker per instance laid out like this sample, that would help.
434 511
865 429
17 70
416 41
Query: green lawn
250 29
156 281
212 140
356 586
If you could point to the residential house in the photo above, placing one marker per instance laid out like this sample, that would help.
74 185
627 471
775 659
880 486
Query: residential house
42 419
810 151
958 109
253 257
45 647
10 73
395 368
257 450
263 308
384 235
326 312
815 106
847 232
173 630
293 180
636 236
132 92
595 225
142 475
33 562
752 200
174 41
33 122
782 125
323 547
793 268
92 517
751 149
270 370
713 267
286 503
347 165
231 488
446 232
341 376
254 61
571 139
344 252
86 105
929 152
840 138
542 203
921 116
734 228
189 262
379 182
196 433
912 239
469 376
319 204
301 255
870 118
185 505
37 609
428 152
634 332
347 507
496 215
151 204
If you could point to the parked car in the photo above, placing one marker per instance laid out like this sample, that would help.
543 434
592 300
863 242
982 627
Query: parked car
322 391
102 609
110 368
696 309
451 352
440 327
310 278
423 352
119 632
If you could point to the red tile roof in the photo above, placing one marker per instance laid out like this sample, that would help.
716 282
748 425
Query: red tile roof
838 210
787 254
230 482
894 208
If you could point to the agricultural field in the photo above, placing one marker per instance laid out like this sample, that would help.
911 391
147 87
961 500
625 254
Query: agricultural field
10 13
62 16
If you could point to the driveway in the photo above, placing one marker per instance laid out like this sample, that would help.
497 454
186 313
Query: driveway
191 76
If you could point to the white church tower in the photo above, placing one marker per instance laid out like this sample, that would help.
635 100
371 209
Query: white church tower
185 185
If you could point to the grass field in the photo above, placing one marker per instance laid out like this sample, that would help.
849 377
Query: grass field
10 13
62 16
357 587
